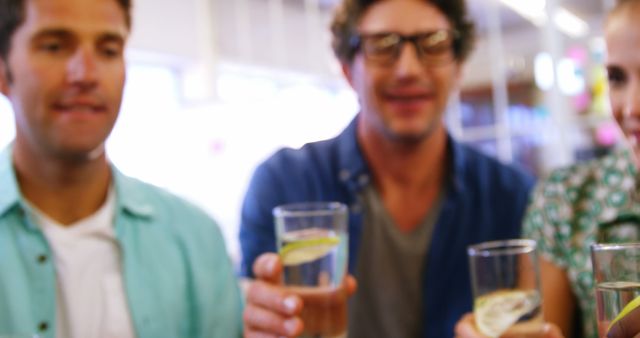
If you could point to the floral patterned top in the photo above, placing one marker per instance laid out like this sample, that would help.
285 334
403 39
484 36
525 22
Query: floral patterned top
573 208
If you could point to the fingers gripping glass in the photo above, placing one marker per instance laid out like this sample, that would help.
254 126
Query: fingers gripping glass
506 288
433 48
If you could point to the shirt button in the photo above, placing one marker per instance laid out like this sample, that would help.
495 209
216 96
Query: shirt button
356 208
344 174
43 326
363 180
42 259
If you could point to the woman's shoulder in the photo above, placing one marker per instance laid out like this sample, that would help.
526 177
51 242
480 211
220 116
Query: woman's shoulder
608 170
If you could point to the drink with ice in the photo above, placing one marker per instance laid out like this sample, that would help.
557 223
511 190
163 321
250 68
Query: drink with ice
511 312
506 288
312 266
312 242
611 299
616 272
311 257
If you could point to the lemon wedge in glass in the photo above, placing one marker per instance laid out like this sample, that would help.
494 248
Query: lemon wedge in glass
496 312
632 305
307 250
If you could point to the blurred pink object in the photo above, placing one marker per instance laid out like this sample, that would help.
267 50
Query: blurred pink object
607 134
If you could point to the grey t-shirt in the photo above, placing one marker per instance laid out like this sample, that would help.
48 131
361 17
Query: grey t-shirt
389 271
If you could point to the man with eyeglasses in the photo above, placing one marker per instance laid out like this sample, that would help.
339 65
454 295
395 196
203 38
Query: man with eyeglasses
417 197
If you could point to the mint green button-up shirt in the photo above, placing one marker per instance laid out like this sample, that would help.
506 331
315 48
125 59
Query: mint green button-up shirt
178 279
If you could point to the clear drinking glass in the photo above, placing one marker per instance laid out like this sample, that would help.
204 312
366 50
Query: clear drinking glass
616 271
312 244
506 288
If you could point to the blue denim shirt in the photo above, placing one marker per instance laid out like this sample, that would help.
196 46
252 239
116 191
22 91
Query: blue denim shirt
484 200
178 278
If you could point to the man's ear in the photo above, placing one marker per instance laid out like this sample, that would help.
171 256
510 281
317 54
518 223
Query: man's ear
458 74
4 77
346 71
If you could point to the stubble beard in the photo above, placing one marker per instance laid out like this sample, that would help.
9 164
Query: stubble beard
410 139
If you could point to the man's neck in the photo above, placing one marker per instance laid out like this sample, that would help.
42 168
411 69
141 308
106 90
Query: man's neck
408 176
412 165
66 191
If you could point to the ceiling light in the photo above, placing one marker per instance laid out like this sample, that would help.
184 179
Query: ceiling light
534 11
570 24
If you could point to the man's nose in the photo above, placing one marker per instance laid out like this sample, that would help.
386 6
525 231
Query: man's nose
408 63
82 67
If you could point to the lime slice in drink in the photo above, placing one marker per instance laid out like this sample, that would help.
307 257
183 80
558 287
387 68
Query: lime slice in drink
307 250
632 305
497 311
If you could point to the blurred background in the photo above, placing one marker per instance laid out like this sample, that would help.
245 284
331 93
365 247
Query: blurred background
216 86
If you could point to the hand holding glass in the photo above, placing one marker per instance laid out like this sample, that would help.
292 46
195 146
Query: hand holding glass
506 288
312 243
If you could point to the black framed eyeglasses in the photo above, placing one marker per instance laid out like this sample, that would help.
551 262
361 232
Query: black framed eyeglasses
433 48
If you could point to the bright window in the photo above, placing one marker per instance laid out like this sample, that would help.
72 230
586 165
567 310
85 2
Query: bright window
206 153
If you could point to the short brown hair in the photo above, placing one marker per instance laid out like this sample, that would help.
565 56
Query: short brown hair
349 13
12 14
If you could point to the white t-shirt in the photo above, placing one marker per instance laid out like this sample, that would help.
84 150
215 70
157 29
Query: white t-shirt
91 301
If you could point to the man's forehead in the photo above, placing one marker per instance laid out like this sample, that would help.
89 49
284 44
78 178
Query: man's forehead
403 17
95 17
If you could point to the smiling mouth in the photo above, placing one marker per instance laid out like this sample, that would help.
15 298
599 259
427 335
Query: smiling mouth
412 101
79 108
631 129
633 137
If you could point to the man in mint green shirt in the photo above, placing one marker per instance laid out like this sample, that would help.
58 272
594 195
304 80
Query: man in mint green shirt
84 250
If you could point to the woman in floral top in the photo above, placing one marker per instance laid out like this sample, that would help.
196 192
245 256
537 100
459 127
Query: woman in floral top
573 207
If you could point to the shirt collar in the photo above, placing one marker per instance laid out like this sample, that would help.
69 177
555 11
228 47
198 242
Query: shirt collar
353 167
627 153
457 161
9 192
129 195
619 160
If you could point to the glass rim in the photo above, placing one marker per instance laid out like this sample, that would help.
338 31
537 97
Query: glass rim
309 209
502 247
614 246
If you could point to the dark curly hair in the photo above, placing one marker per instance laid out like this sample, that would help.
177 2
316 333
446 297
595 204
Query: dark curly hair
349 13
12 14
